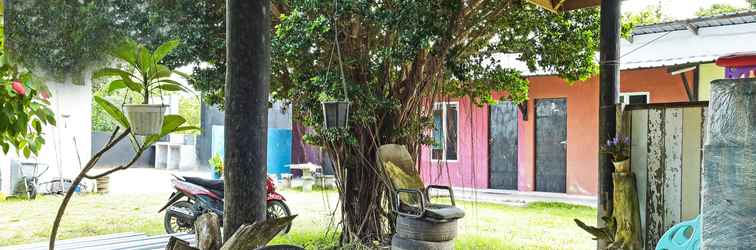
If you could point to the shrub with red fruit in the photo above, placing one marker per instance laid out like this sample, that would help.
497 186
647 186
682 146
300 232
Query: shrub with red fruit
19 88
23 99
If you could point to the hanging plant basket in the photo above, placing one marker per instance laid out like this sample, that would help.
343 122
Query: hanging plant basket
336 114
145 119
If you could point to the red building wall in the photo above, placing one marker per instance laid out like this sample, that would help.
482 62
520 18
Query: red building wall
471 170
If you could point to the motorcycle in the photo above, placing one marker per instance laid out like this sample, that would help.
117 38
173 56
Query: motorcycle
206 195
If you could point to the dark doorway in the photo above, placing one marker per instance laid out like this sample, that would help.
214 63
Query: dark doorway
502 148
551 145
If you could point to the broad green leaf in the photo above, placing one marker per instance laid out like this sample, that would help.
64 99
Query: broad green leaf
162 71
50 117
183 88
37 126
126 51
164 50
6 147
185 128
170 87
113 112
144 60
116 85
110 72
35 145
184 75
133 86
150 140
27 152
170 123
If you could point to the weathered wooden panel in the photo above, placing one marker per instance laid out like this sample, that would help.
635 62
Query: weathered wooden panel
672 166
638 162
691 163
655 183
666 159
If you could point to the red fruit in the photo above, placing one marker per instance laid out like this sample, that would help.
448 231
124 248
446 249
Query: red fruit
45 94
19 88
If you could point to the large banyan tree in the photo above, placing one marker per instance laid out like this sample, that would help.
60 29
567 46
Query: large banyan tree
397 57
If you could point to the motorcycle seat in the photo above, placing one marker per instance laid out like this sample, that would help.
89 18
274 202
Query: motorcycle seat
213 185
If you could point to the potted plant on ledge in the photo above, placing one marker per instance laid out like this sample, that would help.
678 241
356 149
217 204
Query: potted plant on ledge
217 163
619 149
142 73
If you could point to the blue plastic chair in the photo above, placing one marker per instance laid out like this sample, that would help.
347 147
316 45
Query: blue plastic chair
676 239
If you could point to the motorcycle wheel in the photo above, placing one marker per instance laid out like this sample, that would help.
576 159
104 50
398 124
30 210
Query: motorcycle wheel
278 209
176 222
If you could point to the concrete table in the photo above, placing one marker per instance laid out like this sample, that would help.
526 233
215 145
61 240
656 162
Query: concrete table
307 170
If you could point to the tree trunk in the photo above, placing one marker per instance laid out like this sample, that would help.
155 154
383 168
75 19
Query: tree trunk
246 124
626 213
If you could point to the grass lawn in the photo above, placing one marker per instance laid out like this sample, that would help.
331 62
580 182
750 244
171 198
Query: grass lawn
486 226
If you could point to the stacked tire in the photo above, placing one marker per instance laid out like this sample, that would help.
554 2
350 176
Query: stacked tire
423 234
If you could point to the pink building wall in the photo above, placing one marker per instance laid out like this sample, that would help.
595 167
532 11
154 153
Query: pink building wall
471 168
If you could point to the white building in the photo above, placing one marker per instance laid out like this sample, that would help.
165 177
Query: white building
67 145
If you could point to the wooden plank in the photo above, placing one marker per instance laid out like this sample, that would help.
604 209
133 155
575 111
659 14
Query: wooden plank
638 162
666 105
691 164
655 182
705 126
673 166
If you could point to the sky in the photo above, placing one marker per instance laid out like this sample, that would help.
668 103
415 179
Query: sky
678 9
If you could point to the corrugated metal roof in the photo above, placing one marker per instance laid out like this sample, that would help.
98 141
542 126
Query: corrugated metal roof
696 23
683 46
119 241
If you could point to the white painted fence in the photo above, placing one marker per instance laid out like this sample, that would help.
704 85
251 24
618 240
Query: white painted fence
666 159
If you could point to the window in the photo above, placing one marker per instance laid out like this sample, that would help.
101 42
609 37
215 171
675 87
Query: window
445 131
634 98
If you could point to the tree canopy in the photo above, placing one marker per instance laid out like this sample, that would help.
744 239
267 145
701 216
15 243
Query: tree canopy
717 9
397 58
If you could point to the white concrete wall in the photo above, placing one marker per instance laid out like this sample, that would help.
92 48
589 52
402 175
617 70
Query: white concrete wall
72 106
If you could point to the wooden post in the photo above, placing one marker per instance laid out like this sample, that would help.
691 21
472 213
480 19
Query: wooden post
246 124
207 229
626 213
608 97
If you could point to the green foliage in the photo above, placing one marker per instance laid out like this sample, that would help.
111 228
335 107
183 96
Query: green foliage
189 108
200 25
397 53
650 15
143 72
58 36
113 111
217 163
25 108
717 9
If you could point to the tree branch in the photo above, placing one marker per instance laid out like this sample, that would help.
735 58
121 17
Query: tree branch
69 193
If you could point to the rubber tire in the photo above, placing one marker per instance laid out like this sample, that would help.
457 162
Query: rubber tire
399 243
423 230
169 213
285 209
